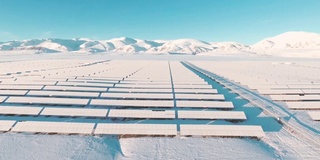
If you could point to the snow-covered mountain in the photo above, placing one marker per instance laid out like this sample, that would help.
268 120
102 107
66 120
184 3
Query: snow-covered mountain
284 42
290 40
120 45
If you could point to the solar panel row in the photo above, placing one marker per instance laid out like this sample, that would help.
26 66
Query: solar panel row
132 129
121 113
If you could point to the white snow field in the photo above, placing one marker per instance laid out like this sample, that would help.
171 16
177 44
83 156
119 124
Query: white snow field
159 107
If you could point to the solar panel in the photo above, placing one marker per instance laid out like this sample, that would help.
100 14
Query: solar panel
63 94
20 110
99 78
204 104
303 105
136 129
53 127
294 97
21 87
280 86
93 81
200 96
47 100
12 92
315 115
2 98
28 82
193 86
74 112
145 82
281 91
5 125
304 86
71 88
144 85
180 90
130 113
311 91
230 115
84 84
132 103
140 90
162 82
222 130
137 95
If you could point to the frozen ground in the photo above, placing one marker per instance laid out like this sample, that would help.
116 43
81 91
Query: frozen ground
279 142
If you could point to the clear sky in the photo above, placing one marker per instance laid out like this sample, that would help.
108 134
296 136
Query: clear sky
245 21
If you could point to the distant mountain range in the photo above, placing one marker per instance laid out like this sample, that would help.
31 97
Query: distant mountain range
288 40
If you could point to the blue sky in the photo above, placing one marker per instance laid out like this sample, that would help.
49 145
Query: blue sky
245 21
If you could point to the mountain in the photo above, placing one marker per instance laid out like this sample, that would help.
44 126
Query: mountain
119 45
230 46
286 42
189 46
290 40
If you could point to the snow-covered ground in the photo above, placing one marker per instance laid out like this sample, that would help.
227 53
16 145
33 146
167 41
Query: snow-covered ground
19 146
280 142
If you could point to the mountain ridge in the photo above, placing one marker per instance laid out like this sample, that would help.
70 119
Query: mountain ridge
287 40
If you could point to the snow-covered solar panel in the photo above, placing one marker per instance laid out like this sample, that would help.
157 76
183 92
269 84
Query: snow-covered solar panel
144 85
140 90
74 112
71 88
190 83
280 91
53 127
311 91
180 90
145 79
280 86
200 96
304 86
12 92
130 113
136 129
303 105
315 115
20 110
205 104
84 84
29 83
2 98
48 80
222 130
93 81
63 94
92 78
294 97
21 87
132 103
162 83
230 115
193 86
47 100
138 95
5 125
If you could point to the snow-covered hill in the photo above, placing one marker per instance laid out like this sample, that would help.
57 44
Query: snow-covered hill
290 40
286 44
119 45
290 44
